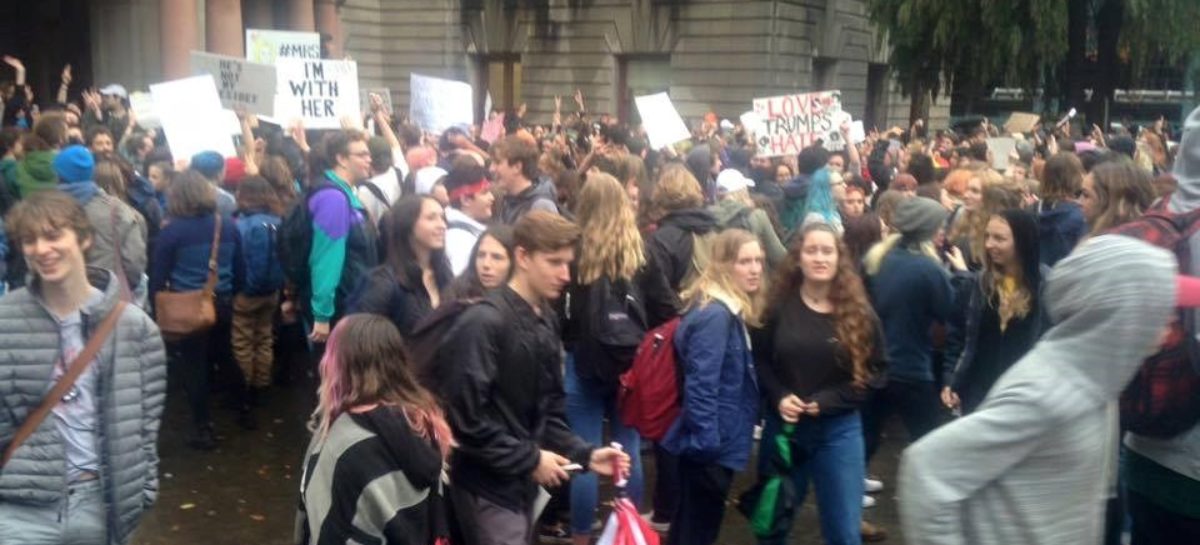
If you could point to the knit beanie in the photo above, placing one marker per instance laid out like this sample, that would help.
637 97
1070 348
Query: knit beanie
74 164
235 170
208 164
919 219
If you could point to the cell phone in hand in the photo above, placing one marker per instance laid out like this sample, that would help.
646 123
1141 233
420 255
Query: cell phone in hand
572 467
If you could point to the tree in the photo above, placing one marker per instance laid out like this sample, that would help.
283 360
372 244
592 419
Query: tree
1076 44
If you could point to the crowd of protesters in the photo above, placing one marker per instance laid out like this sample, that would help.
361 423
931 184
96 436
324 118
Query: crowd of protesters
470 305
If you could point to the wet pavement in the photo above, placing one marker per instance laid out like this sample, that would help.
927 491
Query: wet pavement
246 491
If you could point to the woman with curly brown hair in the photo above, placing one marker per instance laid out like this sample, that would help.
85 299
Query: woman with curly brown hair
817 354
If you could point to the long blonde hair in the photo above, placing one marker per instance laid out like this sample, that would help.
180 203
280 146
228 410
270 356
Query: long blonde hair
716 280
611 244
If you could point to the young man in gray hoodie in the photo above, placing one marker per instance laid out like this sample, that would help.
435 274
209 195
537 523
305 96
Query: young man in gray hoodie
1034 463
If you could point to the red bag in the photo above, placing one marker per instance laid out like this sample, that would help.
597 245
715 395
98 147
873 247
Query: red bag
649 396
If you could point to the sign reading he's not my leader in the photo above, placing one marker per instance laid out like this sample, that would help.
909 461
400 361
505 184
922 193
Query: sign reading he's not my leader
793 122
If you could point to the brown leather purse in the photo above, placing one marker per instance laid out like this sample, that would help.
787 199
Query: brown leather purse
183 313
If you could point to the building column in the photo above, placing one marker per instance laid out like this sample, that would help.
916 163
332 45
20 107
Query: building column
179 34
258 14
300 16
329 23
224 31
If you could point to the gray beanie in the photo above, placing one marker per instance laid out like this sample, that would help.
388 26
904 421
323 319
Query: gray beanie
919 218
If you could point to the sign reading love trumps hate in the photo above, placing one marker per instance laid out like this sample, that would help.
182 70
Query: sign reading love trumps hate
240 83
793 122
320 92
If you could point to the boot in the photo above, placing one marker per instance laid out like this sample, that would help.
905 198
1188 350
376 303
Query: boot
872 533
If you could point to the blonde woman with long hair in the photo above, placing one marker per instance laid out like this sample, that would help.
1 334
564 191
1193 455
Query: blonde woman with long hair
713 436
617 295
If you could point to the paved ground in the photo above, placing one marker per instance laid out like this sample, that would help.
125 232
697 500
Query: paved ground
245 492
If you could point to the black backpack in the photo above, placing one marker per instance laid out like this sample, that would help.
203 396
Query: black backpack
426 338
295 244
611 326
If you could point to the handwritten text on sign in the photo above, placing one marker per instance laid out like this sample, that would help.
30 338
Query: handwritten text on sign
319 92
793 122
240 83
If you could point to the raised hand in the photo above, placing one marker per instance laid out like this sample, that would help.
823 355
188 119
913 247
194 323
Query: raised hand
66 74
15 63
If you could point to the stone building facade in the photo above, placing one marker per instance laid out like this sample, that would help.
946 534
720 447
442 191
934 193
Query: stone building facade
710 55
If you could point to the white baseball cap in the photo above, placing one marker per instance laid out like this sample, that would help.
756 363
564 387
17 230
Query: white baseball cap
426 178
730 180
115 89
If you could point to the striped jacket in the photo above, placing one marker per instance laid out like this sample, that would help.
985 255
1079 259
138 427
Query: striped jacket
371 480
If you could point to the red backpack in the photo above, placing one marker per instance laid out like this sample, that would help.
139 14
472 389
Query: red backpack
649 396
1163 400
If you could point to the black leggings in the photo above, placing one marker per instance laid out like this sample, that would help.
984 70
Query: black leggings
195 357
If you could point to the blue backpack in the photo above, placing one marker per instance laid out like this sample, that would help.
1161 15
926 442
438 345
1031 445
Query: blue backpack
260 234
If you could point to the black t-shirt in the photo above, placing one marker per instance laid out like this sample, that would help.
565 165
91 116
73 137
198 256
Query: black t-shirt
798 352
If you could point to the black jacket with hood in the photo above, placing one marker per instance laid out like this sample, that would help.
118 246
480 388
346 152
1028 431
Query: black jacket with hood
500 379
670 246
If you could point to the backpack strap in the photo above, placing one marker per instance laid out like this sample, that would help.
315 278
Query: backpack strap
460 224
376 191
78 365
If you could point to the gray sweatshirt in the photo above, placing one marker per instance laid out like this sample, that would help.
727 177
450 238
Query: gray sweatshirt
1032 464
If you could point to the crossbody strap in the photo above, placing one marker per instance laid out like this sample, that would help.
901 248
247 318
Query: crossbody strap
64 384
210 285
120 262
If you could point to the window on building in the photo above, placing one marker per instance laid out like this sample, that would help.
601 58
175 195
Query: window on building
823 71
500 77
640 75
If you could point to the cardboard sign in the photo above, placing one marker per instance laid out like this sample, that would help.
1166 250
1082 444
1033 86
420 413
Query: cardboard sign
318 92
383 92
192 118
437 104
492 129
836 141
751 123
794 122
661 121
240 83
1021 122
1000 148
265 46
858 134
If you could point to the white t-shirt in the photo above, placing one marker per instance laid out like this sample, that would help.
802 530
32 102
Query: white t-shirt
461 234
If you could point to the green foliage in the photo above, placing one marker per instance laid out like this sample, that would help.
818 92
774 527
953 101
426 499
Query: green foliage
1017 41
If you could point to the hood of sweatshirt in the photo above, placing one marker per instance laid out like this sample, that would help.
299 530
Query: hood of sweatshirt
694 220
36 172
1108 315
724 211
540 189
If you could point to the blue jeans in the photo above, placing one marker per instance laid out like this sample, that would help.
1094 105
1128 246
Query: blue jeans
829 451
588 403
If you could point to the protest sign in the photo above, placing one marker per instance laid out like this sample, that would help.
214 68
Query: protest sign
492 129
661 121
437 104
1000 148
265 46
794 122
142 105
858 134
836 141
1021 122
240 83
364 98
752 123
319 92
192 117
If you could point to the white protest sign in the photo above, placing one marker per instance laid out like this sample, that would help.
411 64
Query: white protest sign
192 117
858 134
142 105
437 104
1000 148
836 141
240 83
752 123
794 122
661 121
318 92
264 46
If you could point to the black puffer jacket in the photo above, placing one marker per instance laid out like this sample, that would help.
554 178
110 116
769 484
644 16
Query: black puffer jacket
670 246
500 370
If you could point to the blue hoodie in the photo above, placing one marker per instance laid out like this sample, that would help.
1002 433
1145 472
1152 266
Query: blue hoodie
1061 225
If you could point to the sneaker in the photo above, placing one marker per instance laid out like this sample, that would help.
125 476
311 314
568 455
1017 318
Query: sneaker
873 485
868 502
872 533
758 432
659 526
554 534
